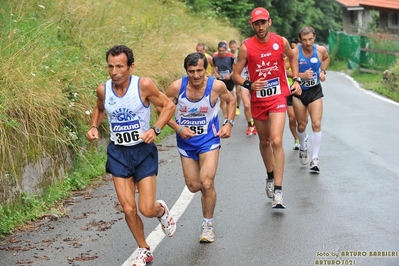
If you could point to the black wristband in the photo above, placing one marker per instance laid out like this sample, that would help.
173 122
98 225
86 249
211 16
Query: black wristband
247 84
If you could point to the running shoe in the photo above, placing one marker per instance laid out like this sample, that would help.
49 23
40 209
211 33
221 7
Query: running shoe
270 188
303 156
166 220
296 145
237 111
144 255
254 130
249 131
314 166
207 236
278 200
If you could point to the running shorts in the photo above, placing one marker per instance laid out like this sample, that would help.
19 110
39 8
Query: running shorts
229 84
289 100
193 152
138 161
260 109
311 95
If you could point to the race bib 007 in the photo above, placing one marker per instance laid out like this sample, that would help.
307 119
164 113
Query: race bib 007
271 88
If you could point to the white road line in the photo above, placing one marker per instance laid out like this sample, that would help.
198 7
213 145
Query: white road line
157 235
372 93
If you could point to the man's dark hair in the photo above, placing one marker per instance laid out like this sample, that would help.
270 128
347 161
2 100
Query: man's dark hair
201 45
295 40
119 49
192 60
232 42
306 30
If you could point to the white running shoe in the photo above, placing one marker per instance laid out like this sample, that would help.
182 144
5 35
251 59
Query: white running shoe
278 200
303 156
143 256
166 220
208 235
270 188
314 166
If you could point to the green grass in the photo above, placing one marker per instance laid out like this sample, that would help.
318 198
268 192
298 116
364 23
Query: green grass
337 65
370 81
374 82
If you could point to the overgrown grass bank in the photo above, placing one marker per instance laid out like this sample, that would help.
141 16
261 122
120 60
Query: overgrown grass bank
52 57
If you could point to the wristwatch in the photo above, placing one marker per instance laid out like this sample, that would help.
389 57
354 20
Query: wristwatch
157 130
297 79
231 122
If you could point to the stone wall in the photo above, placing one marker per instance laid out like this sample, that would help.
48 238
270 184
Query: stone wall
35 176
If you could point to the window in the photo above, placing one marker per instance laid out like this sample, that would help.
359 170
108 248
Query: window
393 20
352 17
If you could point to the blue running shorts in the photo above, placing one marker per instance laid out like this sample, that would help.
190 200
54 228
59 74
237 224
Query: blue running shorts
193 152
138 161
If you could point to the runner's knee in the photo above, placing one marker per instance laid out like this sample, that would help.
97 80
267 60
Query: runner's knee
129 209
147 210
316 126
277 143
193 186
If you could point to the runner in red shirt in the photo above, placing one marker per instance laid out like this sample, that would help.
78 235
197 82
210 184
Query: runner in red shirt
268 85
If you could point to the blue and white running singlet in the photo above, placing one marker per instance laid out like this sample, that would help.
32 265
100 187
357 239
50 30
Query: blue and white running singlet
305 63
126 115
200 116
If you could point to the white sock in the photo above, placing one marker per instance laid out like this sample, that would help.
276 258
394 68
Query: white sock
206 221
302 137
316 142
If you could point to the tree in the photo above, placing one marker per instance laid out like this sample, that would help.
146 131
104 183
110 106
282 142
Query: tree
288 17
237 12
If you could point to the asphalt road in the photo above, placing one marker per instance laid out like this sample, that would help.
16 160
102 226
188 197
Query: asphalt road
346 215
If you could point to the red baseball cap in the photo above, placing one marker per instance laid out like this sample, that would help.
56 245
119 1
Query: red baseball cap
259 13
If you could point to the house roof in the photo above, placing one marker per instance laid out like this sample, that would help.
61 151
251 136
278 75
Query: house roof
349 3
387 4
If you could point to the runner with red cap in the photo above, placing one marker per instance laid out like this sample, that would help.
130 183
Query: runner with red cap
268 86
